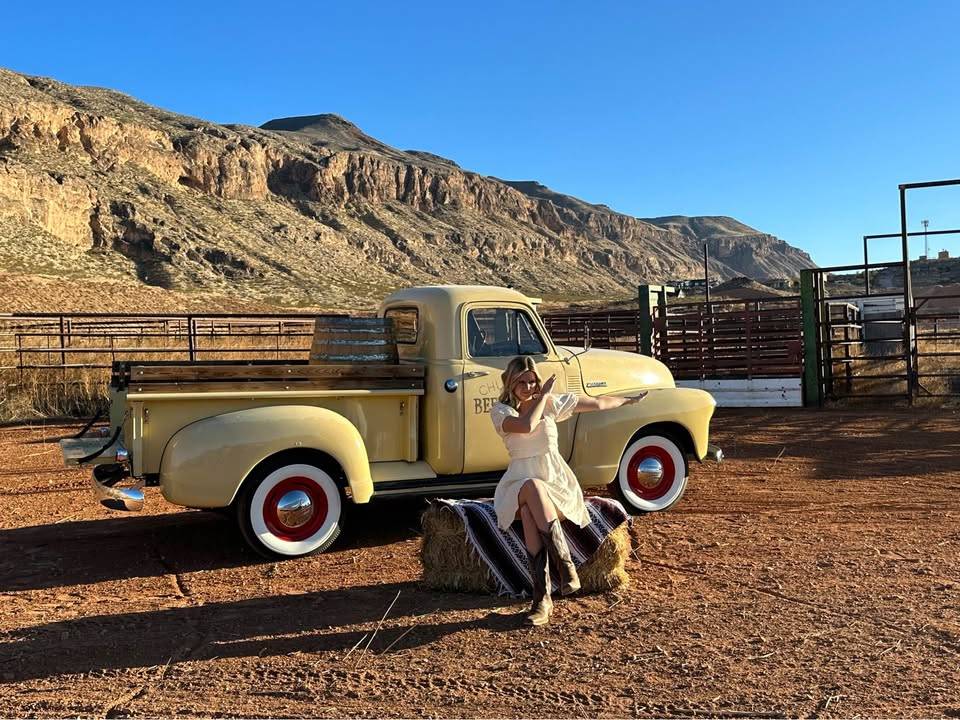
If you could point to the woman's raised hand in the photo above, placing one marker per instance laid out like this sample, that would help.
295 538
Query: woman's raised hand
547 387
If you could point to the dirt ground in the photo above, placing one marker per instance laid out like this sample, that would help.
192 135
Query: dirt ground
815 573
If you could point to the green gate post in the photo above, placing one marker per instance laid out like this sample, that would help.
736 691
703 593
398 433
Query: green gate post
811 363
648 297
645 321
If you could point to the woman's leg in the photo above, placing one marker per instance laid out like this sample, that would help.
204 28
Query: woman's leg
531 534
533 494
538 557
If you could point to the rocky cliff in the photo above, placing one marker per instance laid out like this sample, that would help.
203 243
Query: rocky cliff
94 184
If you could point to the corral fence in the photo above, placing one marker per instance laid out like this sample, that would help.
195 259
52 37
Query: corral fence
876 345
730 339
46 341
745 352
899 343
615 330
58 364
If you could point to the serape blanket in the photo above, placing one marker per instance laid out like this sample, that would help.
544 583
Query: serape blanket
505 553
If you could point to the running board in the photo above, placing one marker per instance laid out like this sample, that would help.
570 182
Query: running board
440 485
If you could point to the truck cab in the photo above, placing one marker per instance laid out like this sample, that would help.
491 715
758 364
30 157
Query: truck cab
466 335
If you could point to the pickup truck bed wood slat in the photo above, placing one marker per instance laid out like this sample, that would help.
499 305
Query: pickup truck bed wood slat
175 373
277 385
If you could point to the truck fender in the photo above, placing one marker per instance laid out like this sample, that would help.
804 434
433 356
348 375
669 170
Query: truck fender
601 437
205 463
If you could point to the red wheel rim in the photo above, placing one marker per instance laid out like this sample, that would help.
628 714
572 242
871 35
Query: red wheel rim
666 481
317 496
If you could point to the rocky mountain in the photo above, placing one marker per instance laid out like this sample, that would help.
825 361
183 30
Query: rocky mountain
734 245
308 211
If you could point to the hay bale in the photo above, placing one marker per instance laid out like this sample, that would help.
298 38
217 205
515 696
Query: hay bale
450 563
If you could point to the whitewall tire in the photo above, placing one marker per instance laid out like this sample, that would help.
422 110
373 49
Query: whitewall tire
290 511
652 474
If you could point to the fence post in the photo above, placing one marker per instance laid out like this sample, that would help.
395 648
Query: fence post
645 324
811 365
190 337
664 319
63 355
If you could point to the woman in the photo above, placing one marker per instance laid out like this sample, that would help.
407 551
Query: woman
538 487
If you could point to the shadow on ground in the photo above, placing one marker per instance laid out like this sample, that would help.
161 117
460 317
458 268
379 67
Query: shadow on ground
307 623
128 546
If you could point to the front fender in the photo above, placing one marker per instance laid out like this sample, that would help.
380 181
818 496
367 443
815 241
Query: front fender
602 436
204 464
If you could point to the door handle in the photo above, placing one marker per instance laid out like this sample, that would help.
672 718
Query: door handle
452 385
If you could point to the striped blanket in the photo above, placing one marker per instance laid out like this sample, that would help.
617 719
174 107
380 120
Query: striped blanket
505 553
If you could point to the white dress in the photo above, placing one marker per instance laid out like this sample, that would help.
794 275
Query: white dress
536 455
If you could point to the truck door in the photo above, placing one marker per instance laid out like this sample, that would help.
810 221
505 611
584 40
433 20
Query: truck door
493 334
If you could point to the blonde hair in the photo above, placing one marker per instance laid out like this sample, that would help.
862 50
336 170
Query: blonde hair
515 368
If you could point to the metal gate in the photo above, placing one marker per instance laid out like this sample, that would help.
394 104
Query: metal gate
890 339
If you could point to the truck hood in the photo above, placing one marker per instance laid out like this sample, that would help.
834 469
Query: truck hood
613 372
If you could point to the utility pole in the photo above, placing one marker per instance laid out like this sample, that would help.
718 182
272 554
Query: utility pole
926 245
706 273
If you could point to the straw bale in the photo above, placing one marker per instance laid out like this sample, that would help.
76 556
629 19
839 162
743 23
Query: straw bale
450 563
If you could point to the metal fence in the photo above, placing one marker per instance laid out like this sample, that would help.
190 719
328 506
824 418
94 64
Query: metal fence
617 330
730 339
47 341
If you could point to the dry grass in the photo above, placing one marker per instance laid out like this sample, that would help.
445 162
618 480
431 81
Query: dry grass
450 563
33 393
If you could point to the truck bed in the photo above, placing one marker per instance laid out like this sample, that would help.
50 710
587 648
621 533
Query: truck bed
160 398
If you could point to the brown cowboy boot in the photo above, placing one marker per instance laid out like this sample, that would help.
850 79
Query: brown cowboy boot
542 605
556 543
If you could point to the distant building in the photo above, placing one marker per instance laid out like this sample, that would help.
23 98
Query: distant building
943 255
781 283
692 285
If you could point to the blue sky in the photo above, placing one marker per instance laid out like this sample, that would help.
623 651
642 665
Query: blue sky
799 119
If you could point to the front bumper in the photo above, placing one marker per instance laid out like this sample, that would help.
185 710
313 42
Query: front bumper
714 453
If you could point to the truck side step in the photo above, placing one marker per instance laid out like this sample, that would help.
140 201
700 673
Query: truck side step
449 484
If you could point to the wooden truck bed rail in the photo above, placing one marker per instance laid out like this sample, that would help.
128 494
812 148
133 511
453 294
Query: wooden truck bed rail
139 378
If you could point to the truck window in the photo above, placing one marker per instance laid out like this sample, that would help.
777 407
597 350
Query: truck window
406 324
502 332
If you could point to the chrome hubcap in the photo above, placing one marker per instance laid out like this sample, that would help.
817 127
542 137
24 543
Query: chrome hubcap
650 472
295 509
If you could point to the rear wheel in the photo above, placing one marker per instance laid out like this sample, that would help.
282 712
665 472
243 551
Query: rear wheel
290 509
653 473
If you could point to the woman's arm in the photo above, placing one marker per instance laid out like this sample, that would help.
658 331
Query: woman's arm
585 403
529 419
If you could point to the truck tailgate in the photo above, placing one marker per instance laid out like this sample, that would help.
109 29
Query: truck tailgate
75 448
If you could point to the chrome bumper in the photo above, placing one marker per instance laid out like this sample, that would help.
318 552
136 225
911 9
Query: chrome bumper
105 479
714 453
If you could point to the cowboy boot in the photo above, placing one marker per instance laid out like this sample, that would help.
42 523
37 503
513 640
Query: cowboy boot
542 605
556 543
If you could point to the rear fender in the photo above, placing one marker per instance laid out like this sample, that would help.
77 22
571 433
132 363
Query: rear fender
602 436
205 463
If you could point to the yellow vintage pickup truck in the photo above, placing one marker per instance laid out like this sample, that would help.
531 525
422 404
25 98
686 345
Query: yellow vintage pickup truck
283 446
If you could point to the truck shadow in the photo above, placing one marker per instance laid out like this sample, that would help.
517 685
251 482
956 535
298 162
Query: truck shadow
117 548
265 626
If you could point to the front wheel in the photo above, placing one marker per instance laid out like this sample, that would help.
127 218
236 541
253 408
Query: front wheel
290 511
652 474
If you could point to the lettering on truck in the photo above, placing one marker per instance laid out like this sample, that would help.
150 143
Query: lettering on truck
483 405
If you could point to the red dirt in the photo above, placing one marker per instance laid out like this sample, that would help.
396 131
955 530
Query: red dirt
815 573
